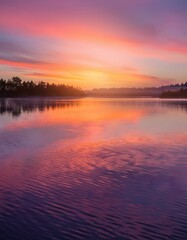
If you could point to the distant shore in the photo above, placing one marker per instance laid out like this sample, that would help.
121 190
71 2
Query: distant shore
16 88
182 93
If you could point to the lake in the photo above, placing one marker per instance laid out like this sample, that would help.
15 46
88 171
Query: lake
93 169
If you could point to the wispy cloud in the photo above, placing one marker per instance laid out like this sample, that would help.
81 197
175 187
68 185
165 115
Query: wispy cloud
68 38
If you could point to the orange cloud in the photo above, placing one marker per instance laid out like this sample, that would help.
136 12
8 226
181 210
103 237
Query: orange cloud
92 47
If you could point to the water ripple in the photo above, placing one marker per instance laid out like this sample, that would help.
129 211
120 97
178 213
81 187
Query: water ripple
74 186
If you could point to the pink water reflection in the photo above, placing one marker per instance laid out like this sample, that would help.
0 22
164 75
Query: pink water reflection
119 167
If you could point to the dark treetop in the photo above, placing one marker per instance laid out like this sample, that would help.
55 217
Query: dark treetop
182 93
15 87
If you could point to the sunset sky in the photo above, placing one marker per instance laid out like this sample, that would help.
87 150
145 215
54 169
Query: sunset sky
94 43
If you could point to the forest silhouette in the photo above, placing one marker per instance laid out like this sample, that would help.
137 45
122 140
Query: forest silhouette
15 87
182 93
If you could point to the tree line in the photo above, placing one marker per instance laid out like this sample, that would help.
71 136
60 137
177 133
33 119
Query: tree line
182 93
15 87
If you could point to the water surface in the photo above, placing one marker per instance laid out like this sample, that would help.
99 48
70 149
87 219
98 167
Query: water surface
93 169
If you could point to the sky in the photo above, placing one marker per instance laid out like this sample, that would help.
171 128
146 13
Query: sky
94 43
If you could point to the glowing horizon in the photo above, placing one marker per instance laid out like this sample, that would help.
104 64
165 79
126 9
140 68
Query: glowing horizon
96 43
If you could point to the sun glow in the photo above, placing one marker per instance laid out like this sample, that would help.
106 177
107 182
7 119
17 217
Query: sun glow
95 78
94 44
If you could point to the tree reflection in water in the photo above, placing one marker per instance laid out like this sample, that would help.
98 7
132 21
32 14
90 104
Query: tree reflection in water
16 107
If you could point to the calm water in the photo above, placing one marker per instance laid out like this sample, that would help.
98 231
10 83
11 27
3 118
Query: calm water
93 169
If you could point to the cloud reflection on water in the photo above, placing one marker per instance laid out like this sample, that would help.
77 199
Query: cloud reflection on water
109 168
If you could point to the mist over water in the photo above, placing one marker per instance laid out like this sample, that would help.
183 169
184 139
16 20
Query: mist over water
93 169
